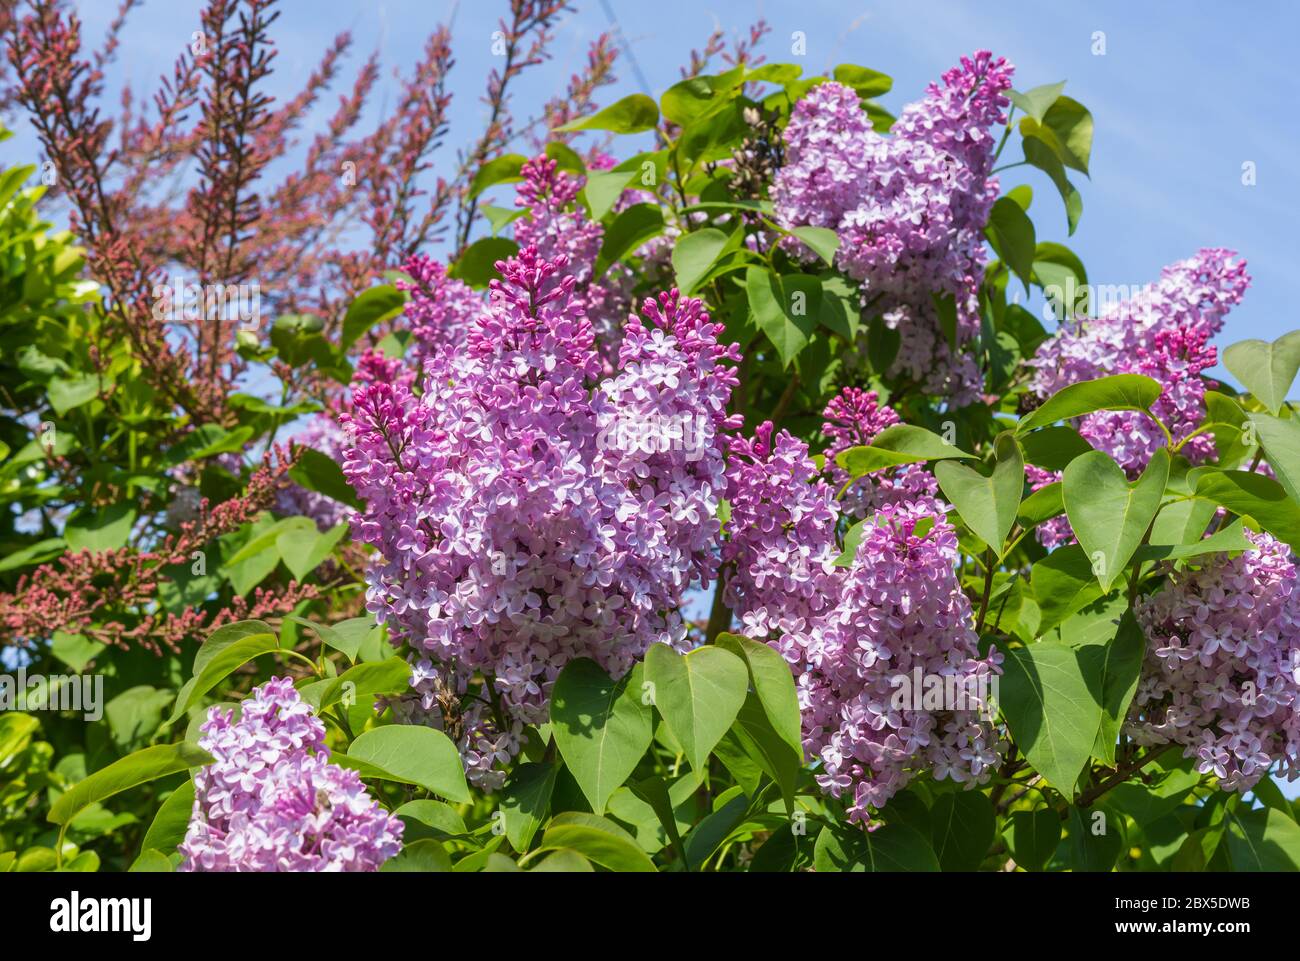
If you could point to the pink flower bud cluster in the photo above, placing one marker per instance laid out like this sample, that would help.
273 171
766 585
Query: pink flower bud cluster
272 801
855 636
441 310
1222 673
910 209
513 531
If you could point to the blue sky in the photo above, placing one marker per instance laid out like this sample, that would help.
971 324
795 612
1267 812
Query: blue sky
1183 96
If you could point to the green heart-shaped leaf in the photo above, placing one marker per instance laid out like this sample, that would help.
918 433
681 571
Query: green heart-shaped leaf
1109 515
699 695
1266 369
602 726
988 504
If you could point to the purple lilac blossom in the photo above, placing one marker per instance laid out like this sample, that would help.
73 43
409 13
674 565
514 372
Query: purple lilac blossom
910 209
515 528
850 633
1222 665
272 801
1163 331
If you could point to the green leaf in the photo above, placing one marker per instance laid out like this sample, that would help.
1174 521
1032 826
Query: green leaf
1051 710
630 229
1032 837
839 311
894 847
602 727
1266 369
123 774
1052 448
431 817
1067 129
499 218
694 254
477 265
319 472
108 529
1036 101
66 393
1113 665
171 822
1254 495
1118 392
1281 442
822 241
1109 515
784 307
346 636
962 830
715 827
1040 154
1263 840
771 752
505 169
864 81
773 682
525 800
632 114
698 694
409 754
220 656
360 681
897 444
75 650
425 856
1011 233
987 504
1042 505
371 307
1228 538
151 861
597 839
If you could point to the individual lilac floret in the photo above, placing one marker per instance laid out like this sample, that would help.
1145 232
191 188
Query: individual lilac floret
855 636
910 209
526 512
1222 661
271 800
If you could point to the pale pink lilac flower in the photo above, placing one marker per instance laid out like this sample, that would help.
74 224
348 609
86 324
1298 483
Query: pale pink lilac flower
514 529
850 632
272 801
1222 672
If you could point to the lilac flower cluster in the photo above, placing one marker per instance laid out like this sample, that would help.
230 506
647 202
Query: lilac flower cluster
271 800
850 634
910 209
1163 331
511 535
1222 673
